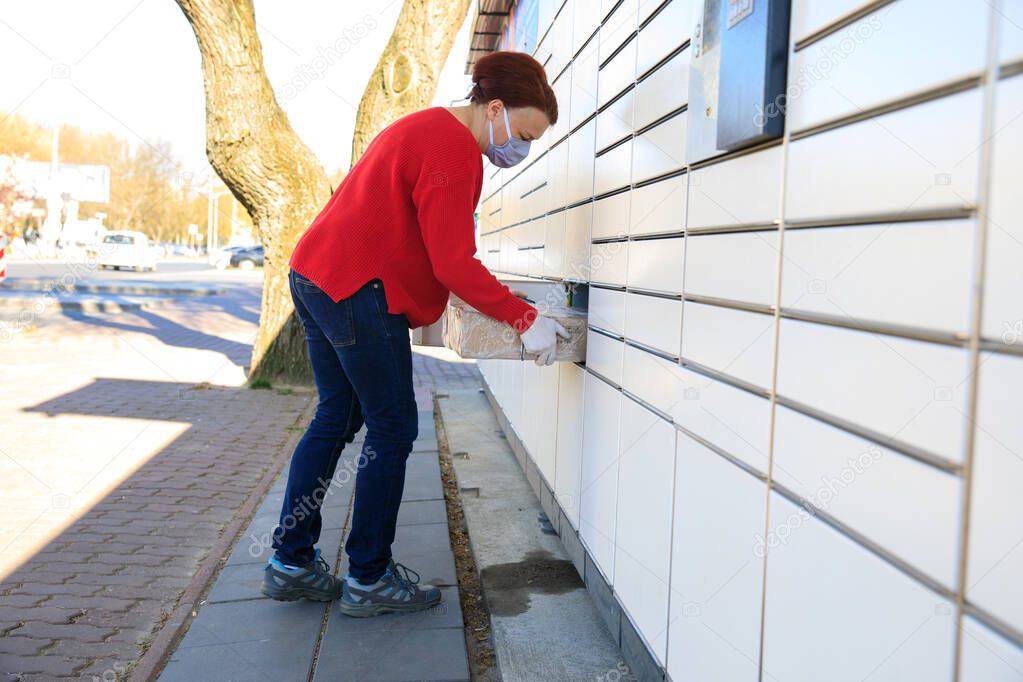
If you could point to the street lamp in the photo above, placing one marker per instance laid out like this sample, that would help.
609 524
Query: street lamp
213 212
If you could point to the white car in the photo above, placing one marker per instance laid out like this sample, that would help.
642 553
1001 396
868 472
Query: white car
221 258
126 249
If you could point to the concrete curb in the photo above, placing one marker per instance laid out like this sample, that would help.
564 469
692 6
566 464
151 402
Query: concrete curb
41 304
149 666
125 287
636 654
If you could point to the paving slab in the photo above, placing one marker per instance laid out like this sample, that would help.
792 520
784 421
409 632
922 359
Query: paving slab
447 614
237 582
425 445
424 467
241 578
421 486
435 566
421 538
254 661
426 548
419 512
395 656
255 620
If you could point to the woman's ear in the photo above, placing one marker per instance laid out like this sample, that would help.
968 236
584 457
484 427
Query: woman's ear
494 109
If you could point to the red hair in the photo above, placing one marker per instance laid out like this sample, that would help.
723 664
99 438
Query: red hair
516 79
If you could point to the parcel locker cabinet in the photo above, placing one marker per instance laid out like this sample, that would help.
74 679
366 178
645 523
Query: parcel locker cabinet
754 58
737 75
703 83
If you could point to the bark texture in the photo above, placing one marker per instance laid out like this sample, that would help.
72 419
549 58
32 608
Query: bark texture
405 78
252 146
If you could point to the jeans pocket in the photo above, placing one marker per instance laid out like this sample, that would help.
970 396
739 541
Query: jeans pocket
340 325
392 323
334 320
302 281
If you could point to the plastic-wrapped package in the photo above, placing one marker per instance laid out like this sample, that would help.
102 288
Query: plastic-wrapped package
472 334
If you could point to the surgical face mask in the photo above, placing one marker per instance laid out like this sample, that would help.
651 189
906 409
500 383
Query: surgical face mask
509 153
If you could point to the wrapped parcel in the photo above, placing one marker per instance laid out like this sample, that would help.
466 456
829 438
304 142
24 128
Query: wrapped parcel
472 334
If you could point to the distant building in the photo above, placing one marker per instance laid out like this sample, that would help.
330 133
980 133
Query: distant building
62 191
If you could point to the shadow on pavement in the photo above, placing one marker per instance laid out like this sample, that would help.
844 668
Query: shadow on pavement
90 600
173 333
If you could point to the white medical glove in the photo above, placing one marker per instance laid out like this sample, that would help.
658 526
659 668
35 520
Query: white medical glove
542 338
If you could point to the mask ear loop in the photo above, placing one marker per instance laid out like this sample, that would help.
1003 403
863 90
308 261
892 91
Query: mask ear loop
507 127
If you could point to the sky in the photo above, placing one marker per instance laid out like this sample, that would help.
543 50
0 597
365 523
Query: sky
132 67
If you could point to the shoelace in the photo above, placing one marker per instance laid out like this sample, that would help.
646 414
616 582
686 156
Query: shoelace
402 575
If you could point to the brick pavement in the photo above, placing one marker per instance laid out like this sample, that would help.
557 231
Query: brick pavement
127 447
88 600
128 442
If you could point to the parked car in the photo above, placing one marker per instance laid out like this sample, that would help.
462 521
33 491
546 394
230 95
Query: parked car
246 259
221 258
126 249
172 249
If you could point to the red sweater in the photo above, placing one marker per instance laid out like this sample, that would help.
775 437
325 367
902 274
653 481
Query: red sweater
404 213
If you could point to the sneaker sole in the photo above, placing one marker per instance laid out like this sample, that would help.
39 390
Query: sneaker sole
368 610
295 594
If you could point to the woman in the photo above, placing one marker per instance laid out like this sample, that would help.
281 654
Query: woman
394 239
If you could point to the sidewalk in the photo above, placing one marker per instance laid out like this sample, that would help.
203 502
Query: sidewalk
241 635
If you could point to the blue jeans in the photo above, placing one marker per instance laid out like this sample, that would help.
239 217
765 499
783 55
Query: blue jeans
362 362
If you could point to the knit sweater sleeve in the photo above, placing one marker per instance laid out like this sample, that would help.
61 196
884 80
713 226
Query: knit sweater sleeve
444 195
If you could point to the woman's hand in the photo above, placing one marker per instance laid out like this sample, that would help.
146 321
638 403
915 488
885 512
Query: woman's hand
542 338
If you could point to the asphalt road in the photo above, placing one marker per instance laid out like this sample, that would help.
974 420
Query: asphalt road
167 270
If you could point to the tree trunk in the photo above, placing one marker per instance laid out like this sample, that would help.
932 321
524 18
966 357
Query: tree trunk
264 163
405 78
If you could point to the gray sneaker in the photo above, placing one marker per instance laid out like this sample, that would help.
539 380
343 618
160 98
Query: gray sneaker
396 591
312 581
